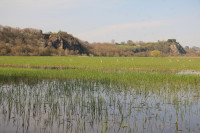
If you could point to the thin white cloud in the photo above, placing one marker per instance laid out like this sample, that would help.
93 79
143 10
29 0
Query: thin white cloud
144 31
109 30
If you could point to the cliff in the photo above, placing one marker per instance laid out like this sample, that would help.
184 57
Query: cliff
63 40
175 47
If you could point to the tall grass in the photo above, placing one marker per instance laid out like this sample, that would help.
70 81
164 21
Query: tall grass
85 106
96 94
125 78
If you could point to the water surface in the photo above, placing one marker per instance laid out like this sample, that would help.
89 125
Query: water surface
83 106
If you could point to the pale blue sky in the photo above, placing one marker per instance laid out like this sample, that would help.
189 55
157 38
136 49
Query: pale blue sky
104 20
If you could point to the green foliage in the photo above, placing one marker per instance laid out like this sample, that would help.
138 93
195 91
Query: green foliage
140 64
155 53
126 78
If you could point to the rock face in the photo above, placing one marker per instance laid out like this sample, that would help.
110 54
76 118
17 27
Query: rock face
175 47
62 40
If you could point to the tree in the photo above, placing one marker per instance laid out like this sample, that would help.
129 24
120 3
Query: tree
130 42
3 52
155 53
123 43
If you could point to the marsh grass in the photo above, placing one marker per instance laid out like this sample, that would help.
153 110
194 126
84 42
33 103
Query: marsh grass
86 106
118 70
98 94
124 78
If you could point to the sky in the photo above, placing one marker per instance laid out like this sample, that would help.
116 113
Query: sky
106 20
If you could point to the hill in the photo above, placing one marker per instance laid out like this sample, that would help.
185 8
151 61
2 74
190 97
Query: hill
65 41
167 48
33 42
28 41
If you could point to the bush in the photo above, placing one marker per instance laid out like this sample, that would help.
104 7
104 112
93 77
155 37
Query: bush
155 53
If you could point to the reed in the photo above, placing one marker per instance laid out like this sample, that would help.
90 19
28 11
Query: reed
101 97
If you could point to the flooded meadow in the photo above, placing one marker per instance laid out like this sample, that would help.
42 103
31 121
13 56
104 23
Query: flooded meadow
99 95
54 106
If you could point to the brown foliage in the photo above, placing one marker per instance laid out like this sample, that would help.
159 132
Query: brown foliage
105 49
32 42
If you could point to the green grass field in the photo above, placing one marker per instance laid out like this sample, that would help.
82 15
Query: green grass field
126 70
141 64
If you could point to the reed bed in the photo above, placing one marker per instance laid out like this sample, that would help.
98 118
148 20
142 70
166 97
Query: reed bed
124 78
80 106
99 94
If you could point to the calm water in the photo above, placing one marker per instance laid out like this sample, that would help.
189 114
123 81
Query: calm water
76 106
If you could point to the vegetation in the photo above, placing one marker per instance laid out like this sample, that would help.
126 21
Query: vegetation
98 94
167 48
33 42
122 70
192 51
155 53
123 78
87 106
138 64
95 94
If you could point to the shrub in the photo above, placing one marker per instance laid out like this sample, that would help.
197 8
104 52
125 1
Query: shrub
155 53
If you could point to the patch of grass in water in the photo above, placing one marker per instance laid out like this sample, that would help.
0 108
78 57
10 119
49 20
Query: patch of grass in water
121 80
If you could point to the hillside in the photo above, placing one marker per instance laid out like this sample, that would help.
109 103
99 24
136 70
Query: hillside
62 40
28 41
33 42
167 48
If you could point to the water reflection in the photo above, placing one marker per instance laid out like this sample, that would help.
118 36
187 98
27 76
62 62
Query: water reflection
77 106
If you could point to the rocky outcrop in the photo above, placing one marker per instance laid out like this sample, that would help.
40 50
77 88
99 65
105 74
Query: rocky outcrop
62 40
175 47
